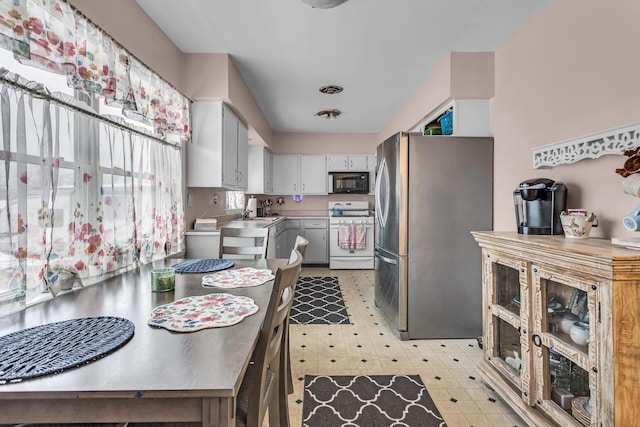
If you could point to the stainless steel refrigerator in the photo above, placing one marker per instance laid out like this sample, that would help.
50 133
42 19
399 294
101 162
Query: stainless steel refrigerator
431 192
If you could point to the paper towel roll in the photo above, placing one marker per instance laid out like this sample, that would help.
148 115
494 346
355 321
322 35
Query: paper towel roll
252 206
631 185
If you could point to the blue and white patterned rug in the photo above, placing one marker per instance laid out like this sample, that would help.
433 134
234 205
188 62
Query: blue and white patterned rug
318 300
372 401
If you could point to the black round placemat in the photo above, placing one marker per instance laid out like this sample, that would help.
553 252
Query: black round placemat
205 265
54 347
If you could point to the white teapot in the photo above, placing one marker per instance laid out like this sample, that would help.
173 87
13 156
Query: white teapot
580 333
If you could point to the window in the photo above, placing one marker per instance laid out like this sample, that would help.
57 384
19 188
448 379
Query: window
86 189
234 201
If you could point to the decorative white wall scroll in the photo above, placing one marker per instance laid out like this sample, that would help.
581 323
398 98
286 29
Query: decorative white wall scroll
616 140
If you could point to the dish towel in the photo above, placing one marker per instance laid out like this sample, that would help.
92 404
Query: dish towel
352 236
344 237
360 237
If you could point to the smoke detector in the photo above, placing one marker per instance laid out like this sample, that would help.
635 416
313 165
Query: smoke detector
324 4
328 114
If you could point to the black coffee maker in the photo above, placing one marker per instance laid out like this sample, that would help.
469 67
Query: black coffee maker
538 203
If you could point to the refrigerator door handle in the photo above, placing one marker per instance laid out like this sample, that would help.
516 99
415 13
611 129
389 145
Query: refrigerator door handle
382 193
386 259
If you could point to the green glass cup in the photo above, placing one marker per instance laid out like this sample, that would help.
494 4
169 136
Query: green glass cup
163 279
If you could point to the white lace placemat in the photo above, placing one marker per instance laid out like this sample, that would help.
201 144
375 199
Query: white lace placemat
205 311
240 278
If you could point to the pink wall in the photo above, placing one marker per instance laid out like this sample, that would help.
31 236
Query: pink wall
206 76
260 132
572 71
325 143
472 75
463 75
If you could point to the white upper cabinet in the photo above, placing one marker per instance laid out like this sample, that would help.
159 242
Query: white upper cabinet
260 171
218 155
347 162
471 117
313 174
285 174
371 167
299 174
243 157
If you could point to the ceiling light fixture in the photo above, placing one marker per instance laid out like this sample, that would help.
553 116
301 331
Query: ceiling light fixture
331 89
324 4
328 114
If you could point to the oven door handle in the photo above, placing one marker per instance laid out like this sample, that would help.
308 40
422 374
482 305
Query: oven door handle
386 259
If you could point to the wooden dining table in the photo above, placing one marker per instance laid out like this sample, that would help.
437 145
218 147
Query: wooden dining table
158 375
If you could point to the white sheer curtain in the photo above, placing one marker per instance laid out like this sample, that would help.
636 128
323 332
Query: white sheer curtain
80 196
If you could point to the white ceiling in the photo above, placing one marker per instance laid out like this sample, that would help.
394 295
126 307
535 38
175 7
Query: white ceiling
380 51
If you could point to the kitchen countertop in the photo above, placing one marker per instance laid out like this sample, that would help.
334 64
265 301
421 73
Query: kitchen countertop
258 222
237 223
308 217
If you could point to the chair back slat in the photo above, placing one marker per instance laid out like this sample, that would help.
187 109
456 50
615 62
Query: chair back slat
243 243
301 245
265 390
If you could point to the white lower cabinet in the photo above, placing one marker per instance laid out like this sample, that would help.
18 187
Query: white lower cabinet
203 245
315 231
291 229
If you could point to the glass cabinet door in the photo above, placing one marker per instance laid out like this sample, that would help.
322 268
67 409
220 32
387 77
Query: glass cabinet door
507 347
564 345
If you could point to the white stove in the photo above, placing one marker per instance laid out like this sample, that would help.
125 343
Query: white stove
351 241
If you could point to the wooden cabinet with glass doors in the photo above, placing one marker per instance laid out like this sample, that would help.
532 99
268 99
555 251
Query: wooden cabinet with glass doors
561 328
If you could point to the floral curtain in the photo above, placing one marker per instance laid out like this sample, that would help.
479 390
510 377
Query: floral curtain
49 34
79 197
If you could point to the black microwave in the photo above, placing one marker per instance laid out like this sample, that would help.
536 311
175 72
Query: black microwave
349 182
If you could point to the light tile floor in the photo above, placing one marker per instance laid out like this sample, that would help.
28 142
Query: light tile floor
367 346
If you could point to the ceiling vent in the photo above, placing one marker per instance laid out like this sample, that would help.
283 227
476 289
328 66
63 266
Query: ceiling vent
324 4
331 89
328 114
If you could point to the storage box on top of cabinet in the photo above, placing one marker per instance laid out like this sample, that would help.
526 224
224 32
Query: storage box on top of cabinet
218 155
561 328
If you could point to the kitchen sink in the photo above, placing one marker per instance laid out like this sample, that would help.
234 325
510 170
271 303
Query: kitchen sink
264 219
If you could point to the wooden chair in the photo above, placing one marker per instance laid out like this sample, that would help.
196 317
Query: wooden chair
243 243
264 385
301 246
